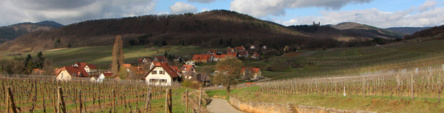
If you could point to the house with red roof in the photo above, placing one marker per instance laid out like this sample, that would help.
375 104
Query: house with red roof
240 49
187 68
89 68
162 74
251 73
216 58
203 58
212 52
243 54
160 59
68 72
144 61
256 56
231 50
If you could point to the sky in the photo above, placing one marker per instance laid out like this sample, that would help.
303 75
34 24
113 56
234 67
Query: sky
379 13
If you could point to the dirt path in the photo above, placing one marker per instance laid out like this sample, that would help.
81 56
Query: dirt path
221 106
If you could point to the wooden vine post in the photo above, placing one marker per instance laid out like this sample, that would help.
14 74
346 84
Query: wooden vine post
200 99
114 101
186 101
60 101
168 101
411 82
148 102
10 101
80 101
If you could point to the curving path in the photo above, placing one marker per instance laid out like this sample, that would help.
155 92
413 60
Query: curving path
221 106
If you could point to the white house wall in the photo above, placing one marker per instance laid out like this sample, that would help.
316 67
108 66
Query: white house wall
63 76
158 77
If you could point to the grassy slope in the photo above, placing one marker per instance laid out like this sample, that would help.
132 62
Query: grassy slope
378 104
101 55
343 61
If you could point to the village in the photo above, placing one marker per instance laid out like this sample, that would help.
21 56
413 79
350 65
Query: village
165 71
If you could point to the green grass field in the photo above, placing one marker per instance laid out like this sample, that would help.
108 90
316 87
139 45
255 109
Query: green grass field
101 55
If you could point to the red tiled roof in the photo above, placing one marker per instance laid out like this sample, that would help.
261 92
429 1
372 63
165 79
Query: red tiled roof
107 73
212 51
254 70
155 63
228 54
240 48
229 50
175 68
186 67
217 56
201 57
75 71
83 65
141 59
127 65
169 69
256 54
161 58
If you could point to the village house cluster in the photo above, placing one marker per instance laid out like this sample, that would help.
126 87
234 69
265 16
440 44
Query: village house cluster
159 71
240 52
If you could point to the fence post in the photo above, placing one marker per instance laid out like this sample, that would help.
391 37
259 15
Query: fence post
200 99
148 102
114 101
7 99
411 82
54 100
10 101
186 101
80 101
168 104
43 100
60 100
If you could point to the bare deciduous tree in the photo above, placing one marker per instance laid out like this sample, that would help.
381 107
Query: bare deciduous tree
117 58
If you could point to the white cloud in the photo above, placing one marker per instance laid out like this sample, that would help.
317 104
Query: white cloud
201 1
429 4
181 7
376 17
204 9
70 11
261 8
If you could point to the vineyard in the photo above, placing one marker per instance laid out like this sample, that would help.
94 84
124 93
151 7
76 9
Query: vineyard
34 94
423 84
354 61
403 77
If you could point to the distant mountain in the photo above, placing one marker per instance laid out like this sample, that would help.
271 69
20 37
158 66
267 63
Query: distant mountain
362 30
50 23
346 32
433 33
13 31
218 28
407 30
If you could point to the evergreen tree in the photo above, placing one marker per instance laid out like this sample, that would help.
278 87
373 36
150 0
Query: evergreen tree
28 58
221 42
164 43
40 60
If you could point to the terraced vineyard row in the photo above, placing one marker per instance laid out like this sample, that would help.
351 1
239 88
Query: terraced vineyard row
426 84
40 95
352 61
